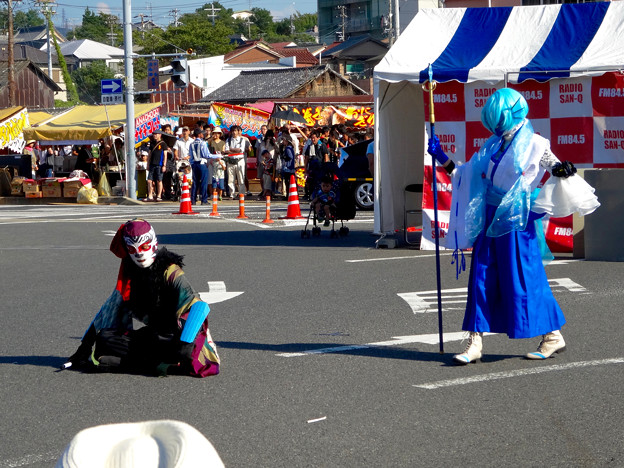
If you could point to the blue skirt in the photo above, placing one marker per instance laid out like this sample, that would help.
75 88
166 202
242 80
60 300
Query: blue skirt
508 291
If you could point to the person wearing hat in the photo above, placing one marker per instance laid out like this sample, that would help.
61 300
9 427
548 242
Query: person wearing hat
217 164
499 209
157 166
152 290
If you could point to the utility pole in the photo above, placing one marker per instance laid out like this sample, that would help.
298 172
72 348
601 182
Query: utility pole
129 140
142 27
47 10
111 23
11 58
343 21
175 21
212 14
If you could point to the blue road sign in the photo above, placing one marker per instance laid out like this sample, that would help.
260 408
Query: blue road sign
112 86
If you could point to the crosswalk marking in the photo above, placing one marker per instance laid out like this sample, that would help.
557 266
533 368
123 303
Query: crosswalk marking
424 302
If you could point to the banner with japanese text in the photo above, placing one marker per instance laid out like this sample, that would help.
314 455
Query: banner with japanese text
250 120
146 124
11 131
582 117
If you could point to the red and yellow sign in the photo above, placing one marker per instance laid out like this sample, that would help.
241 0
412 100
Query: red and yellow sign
320 116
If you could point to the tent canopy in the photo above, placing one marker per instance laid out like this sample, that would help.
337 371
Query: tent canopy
490 45
470 44
85 123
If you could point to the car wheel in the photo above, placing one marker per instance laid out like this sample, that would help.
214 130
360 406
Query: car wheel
364 196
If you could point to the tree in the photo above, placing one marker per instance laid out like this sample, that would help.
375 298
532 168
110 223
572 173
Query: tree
21 19
263 21
27 19
97 27
88 81
72 93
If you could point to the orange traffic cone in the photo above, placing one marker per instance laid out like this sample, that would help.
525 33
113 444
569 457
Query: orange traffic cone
267 217
241 206
215 200
293 212
185 200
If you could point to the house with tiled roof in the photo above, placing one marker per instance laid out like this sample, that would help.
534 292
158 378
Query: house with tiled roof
303 57
36 36
267 85
34 89
251 52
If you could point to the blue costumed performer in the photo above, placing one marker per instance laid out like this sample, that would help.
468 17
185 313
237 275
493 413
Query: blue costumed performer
496 210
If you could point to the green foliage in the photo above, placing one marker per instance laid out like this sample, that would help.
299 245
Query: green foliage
26 19
97 27
88 80
21 19
72 94
59 103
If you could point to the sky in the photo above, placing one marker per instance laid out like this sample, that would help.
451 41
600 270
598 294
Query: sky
162 10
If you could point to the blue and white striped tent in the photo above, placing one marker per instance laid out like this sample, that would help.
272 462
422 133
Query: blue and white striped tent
492 45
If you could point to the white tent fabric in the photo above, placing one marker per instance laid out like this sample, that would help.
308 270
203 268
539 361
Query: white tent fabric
510 44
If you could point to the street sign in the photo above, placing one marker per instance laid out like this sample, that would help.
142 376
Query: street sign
112 86
152 74
112 99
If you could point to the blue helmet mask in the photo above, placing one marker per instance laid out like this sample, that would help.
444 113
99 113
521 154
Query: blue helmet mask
504 110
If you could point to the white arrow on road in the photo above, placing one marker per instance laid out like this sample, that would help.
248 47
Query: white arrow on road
111 86
430 338
423 302
217 293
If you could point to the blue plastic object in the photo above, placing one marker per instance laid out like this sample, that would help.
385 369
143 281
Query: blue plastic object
435 150
198 313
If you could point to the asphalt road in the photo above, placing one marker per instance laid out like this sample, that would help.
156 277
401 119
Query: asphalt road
329 356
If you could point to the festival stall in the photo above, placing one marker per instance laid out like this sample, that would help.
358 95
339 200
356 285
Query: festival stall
566 61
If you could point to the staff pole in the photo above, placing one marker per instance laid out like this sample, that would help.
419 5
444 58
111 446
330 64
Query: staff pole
429 86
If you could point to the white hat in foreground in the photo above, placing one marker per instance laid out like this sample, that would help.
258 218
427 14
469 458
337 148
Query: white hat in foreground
170 444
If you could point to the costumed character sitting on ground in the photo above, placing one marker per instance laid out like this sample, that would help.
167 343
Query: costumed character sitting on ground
152 291
496 210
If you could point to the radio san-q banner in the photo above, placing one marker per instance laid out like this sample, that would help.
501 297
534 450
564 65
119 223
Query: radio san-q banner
582 117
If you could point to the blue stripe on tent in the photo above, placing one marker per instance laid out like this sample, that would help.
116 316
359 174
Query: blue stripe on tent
574 29
475 36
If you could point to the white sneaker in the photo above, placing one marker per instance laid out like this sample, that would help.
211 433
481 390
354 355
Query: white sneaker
551 343
472 353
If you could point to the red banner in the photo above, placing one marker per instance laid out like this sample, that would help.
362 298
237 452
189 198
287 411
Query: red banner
582 117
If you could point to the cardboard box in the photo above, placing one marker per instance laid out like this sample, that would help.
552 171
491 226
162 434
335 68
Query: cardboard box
16 186
51 188
30 185
71 187
33 194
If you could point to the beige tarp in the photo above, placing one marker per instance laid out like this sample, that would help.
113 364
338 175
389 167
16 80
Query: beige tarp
85 123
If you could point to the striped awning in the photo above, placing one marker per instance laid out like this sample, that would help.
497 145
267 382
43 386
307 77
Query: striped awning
514 43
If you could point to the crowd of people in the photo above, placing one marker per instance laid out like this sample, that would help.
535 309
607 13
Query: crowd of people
216 160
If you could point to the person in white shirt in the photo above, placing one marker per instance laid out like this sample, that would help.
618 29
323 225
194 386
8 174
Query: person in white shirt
237 146
181 148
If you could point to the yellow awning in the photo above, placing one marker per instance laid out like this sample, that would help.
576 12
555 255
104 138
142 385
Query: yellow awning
86 123
8 112
36 117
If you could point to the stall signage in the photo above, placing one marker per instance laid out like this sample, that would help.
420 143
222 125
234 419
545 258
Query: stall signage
320 116
146 124
250 120
11 135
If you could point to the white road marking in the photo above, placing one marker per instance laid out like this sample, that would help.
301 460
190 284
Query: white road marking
431 338
109 233
317 419
517 373
425 302
217 293
394 258
29 460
